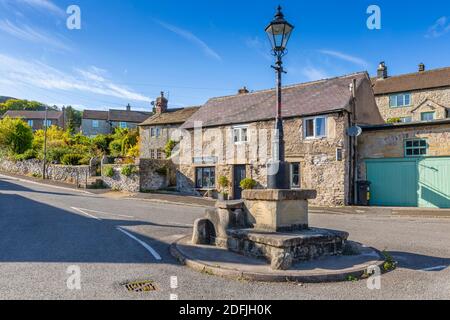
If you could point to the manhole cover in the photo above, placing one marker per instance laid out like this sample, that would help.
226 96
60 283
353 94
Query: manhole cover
140 286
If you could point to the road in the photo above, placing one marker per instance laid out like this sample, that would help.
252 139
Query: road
46 232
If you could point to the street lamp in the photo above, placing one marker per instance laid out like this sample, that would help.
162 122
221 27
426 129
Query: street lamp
279 32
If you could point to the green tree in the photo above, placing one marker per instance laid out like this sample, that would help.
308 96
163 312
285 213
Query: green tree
16 104
15 135
73 117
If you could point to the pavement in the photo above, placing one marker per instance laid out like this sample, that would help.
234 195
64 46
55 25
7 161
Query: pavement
48 232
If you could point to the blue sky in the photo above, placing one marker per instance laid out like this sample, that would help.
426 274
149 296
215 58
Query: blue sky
127 51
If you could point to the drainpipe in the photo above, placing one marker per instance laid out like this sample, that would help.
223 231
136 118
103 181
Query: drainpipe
354 143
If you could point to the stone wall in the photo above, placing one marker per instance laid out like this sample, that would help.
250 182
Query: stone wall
88 129
438 96
389 143
120 182
67 174
149 175
317 157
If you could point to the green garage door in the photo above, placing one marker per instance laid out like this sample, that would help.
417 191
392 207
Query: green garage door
417 182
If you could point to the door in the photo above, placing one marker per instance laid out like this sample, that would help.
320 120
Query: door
239 175
434 182
393 182
415 182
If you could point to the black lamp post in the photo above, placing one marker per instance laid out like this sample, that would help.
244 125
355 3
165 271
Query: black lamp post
279 32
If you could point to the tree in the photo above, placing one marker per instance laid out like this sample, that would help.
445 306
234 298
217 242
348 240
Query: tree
16 104
73 117
15 135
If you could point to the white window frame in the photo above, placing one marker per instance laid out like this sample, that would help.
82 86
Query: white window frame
47 124
299 176
240 129
30 123
396 95
123 125
95 124
315 136
428 112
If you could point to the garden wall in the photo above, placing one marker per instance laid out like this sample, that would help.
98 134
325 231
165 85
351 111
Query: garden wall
68 174
149 175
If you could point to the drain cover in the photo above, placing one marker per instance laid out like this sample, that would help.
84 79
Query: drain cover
140 286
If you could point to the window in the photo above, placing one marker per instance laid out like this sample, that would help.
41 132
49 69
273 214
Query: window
315 127
406 119
123 125
427 116
48 123
400 100
205 177
416 147
159 155
339 154
295 175
155 132
240 134
95 124
30 123
154 154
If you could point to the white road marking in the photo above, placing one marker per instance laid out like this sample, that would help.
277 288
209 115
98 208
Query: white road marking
85 213
437 268
142 243
106 213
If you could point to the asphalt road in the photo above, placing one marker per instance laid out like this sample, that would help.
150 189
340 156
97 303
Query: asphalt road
46 230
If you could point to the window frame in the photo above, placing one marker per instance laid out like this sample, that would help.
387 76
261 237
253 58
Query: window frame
241 130
314 119
413 148
428 112
47 124
123 125
30 123
299 186
212 174
95 124
404 95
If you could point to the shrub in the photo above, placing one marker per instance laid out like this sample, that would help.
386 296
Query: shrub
56 154
248 184
224 183
169 148
15 135
101 143
108 172
115 148
71 159
27 155
128 170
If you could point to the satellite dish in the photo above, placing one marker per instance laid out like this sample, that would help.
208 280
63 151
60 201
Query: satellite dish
354 131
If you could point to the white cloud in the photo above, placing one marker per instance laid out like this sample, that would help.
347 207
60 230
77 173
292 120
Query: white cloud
25 32
260 47
191 38
312 73
346 57
439 28
40 75
43 5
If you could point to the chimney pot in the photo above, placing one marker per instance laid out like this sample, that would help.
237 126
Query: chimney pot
382 71
161 104
243 90
421 67
128 107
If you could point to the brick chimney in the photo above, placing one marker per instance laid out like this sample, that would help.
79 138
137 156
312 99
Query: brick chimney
382 71
243 90
161 104
421 67
128 107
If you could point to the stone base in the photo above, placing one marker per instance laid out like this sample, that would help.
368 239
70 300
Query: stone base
281 250
277 210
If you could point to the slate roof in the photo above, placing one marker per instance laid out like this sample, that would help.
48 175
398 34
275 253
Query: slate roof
117 115
171 116
318 97
431 79
33 115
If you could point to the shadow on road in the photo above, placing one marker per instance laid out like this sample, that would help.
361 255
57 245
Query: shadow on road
7 186
32 231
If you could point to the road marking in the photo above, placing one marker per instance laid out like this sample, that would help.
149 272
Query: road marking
106 213
142 243
85 213
437 268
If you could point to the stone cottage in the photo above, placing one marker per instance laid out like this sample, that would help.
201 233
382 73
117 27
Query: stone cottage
419 96
157 130
95 122
231 137
407 164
